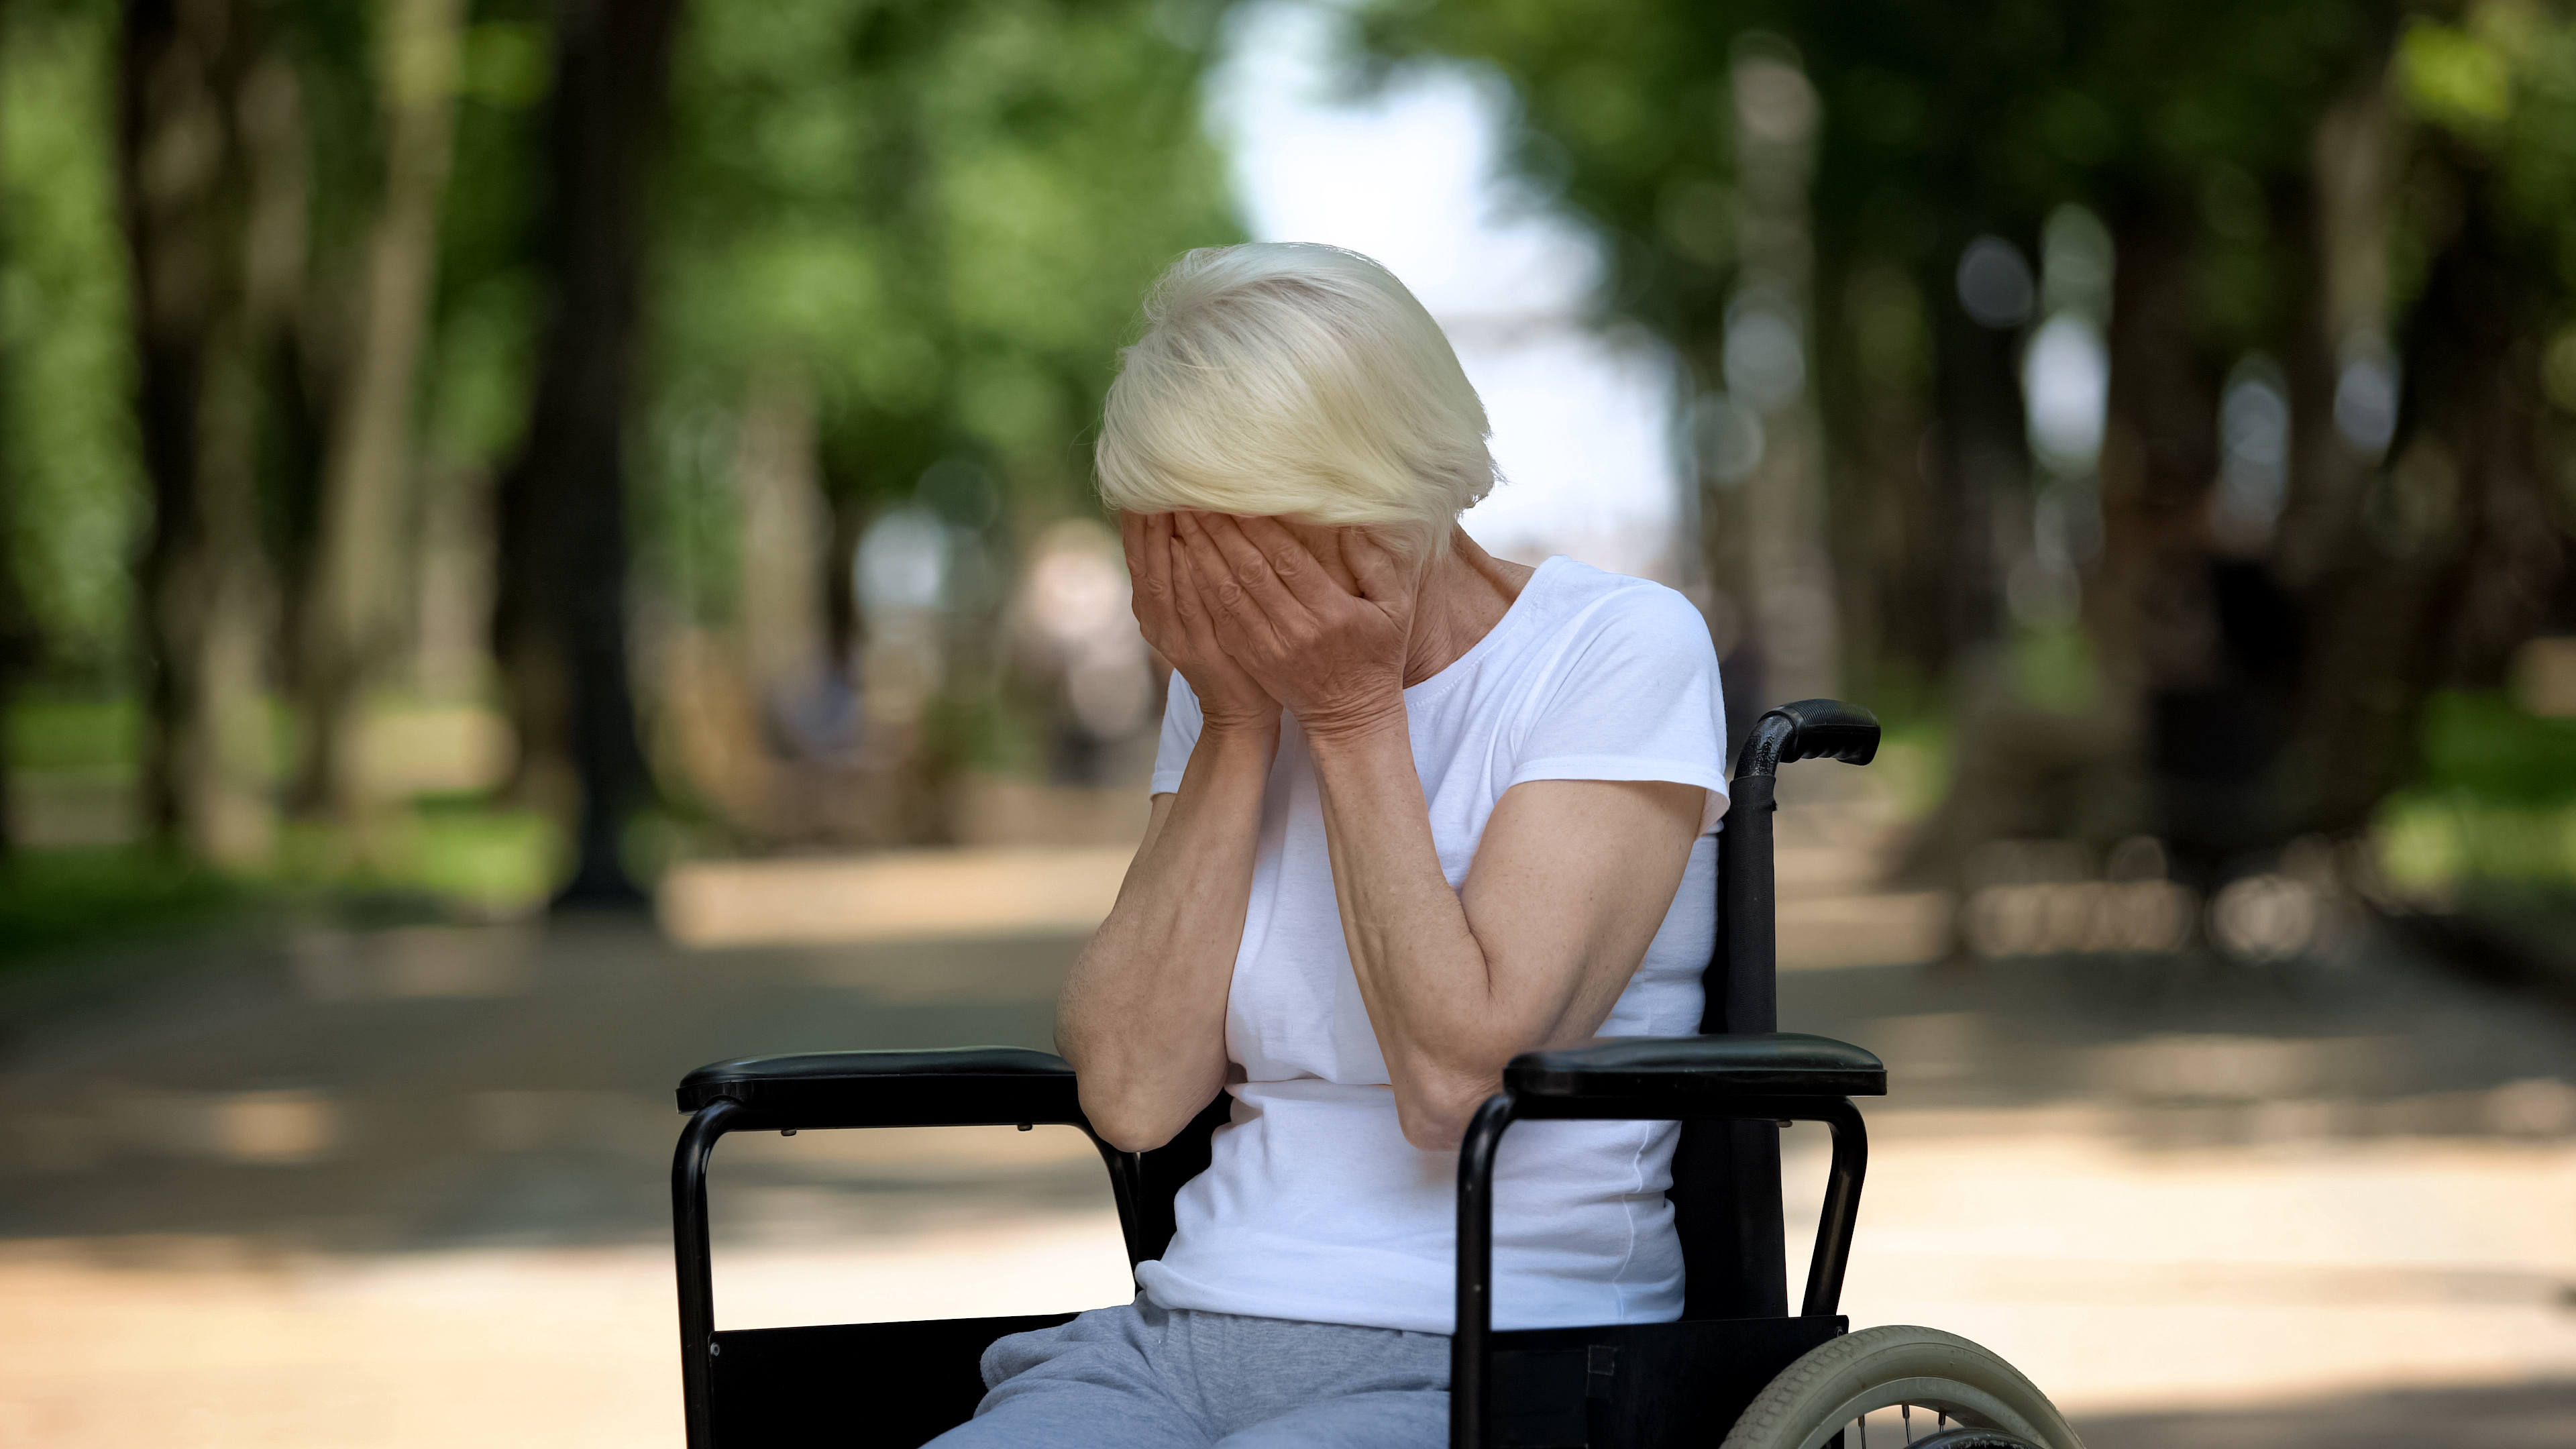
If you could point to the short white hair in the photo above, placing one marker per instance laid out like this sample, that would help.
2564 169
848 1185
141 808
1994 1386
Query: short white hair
1289 378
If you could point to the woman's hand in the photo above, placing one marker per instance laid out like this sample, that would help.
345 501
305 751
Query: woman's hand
1177 625
1334 654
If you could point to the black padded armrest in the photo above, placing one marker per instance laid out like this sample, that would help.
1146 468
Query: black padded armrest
955 1087
1688 1070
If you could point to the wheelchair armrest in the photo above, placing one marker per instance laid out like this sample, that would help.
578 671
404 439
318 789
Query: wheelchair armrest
1686 1073
1784 1076
953 1087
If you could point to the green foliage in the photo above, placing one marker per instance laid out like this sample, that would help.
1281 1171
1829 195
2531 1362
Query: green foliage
937 215
481 355
2501 86
75 482
1939 121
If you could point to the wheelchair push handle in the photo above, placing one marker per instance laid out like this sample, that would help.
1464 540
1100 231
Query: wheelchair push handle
1808 729
1742 995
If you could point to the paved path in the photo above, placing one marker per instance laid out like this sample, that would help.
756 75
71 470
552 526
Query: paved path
406 1187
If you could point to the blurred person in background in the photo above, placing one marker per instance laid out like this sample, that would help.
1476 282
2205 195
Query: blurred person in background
1416 810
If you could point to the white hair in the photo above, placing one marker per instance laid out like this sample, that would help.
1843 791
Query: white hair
1289 378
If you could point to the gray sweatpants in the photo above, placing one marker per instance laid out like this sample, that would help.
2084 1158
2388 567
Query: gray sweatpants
1147 1377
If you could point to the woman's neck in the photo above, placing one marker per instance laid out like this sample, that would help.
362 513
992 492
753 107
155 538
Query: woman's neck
1464 594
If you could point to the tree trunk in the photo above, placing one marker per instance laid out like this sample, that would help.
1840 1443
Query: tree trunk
1984 470
559 622
2432 567
785 527
2026 773
354 608
209 212
1787 570
2148 604
1893 571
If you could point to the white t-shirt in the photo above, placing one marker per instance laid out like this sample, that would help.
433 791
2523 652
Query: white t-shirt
1314 1206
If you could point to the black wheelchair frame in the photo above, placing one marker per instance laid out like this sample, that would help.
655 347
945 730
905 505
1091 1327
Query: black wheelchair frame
1634 1386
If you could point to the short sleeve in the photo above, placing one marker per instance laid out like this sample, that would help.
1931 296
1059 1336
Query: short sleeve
1181 722
1634 696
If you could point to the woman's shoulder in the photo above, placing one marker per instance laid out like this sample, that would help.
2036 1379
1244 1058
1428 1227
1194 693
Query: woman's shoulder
1579 599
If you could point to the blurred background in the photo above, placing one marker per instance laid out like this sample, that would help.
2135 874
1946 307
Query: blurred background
547 542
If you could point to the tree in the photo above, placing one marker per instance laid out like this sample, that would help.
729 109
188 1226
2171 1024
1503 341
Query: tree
74 483
350 619
2427 570
560 621
209 148
904 241
2248 171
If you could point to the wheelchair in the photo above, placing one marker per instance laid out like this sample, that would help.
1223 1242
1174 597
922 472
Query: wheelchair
1737 1369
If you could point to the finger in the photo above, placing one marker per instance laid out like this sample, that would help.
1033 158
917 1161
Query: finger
1189 609
1218 586
1381 577
1149 565
1131 542
1241 627
1301 571
1328 552
1251 568
1201 614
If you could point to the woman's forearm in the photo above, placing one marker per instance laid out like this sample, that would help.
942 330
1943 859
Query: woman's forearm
1142 1017
1444 1022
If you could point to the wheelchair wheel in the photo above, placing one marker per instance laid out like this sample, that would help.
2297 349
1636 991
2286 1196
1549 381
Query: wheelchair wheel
1959 1395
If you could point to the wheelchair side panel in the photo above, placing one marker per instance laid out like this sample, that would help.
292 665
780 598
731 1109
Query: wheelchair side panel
1641 1385
866 1385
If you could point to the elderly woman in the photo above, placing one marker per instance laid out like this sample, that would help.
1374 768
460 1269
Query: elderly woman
1417 809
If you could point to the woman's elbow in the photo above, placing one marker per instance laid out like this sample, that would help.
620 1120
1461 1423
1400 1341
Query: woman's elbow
1131 1136
1436 1120
1128 1122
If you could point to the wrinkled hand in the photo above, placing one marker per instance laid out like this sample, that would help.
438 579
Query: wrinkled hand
1332 652
1177 625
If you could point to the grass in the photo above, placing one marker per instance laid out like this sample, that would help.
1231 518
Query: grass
2433 842
51 900
474 853
2480 746
71 734
2495 810
467 851
439 857
2053 668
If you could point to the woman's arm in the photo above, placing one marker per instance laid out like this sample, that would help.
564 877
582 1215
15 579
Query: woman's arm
1571 878
1142 1016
